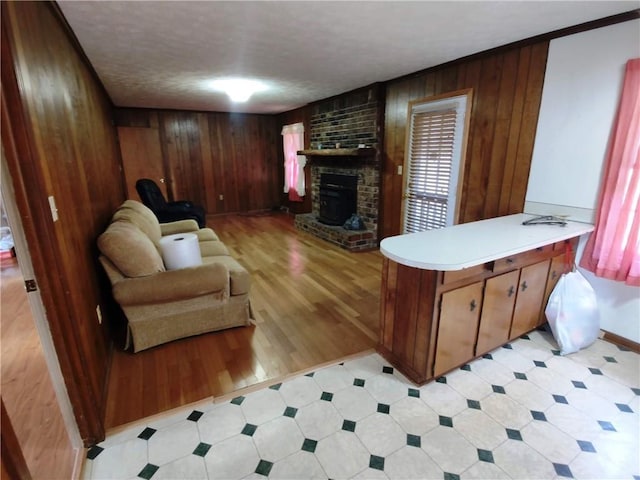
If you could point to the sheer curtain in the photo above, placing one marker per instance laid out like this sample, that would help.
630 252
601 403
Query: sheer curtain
613 249
293 140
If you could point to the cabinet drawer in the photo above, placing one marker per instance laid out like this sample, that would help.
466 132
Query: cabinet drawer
561 246
455 275
516 261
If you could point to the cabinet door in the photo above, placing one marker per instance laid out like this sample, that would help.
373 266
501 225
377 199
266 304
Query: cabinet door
497 311
555 271
458 327
531 289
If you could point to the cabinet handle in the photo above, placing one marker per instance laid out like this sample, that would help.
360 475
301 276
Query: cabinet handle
509 260
553 274
524 285
511 291
472 305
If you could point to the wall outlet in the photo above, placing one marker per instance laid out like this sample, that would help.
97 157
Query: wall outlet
99 314
399 169
221 197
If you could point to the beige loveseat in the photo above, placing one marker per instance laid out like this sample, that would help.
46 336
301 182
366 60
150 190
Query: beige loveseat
163 305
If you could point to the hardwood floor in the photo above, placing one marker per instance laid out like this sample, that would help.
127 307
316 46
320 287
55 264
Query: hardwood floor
27 390
313 303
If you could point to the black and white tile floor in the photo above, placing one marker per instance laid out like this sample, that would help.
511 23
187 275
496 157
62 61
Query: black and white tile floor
522 411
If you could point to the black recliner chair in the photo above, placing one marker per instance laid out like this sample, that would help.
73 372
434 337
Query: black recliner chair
153 198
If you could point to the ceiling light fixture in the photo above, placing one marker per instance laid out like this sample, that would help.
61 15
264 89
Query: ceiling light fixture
239 90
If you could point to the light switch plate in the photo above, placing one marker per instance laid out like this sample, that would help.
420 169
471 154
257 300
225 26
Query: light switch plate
54 209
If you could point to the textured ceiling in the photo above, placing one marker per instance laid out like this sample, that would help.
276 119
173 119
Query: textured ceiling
160 54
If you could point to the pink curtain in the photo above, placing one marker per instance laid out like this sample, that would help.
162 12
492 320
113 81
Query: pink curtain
613 249
293 140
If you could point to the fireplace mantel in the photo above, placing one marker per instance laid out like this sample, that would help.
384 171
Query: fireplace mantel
339 152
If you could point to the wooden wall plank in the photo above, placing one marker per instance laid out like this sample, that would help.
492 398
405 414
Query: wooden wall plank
501 182
522 70
526 139
208 175
489 93
472 194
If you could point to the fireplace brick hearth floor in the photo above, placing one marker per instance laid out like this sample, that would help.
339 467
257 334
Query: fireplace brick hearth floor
352 240
522 411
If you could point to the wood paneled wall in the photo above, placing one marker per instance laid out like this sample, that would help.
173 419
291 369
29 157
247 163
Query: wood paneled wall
59 141
205 155
507 90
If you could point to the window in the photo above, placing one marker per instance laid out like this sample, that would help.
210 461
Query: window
293 140
436 146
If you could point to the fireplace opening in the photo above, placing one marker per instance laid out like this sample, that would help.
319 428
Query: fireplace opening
338 198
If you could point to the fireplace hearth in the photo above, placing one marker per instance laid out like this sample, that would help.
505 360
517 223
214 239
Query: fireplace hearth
338 198
350 120
358 175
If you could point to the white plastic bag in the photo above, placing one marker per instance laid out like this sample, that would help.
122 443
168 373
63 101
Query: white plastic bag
572 313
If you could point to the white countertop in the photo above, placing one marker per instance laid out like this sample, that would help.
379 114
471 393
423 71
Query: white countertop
469 244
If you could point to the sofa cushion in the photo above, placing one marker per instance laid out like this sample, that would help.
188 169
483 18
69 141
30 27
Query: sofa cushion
141 216
130 250
240 278
211 248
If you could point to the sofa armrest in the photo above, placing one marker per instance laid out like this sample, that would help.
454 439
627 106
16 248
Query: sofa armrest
179 226
173 285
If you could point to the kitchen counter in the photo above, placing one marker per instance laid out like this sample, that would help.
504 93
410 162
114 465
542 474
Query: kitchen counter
470 244
451 295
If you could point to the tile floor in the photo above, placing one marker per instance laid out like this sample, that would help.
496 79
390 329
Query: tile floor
522 411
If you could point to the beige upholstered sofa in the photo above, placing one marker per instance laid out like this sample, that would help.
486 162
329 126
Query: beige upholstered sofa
163 305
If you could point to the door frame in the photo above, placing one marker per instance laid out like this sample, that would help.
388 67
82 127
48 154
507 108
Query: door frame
458 172
37 310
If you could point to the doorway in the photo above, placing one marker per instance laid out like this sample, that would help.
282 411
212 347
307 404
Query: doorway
33 390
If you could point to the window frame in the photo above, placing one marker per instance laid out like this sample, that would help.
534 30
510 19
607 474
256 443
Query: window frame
461 101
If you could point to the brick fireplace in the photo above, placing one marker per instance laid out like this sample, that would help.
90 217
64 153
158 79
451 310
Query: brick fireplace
351 120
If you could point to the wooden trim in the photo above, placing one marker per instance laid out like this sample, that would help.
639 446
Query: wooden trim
339 152
79 463
562 32
621 341
14 466
380 122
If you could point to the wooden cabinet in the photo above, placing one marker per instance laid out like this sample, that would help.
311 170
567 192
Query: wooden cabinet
531 287
557 268
432 322
459 318
497 311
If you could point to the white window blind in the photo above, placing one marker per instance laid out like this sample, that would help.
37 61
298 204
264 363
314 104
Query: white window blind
432 165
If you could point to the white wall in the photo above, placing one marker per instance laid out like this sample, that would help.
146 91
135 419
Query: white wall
581 91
